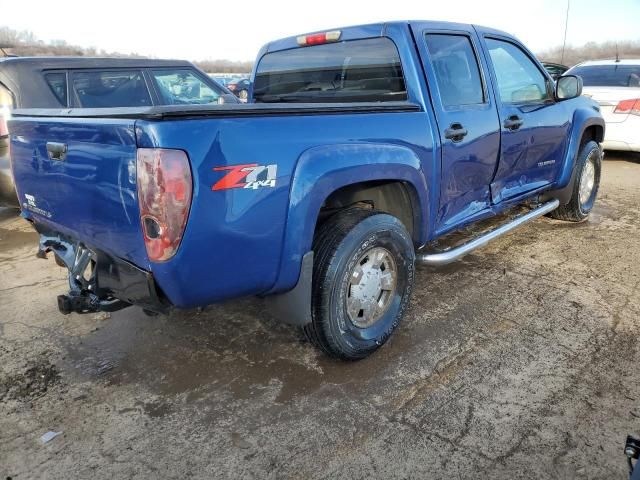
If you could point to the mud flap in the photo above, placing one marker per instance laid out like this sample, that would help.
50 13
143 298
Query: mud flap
294 307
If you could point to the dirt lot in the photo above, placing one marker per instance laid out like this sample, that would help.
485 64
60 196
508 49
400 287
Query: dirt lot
521 361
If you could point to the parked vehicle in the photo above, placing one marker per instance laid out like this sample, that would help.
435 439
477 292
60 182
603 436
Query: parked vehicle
632 452
363 146
55 82
615 85
555 69
240 88
221 80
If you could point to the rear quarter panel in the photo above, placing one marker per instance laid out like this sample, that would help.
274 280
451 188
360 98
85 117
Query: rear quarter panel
234 239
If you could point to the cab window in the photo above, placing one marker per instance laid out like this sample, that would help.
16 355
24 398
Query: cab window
519 79
456 69
183 87
57 82
105 89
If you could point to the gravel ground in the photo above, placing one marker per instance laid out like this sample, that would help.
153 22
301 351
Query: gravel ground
520 361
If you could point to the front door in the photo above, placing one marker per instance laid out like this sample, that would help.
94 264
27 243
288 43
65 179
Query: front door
535 128
467 120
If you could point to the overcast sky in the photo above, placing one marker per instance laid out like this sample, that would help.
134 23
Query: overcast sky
235 30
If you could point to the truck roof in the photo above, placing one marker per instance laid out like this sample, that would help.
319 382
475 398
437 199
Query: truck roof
44 63
372 30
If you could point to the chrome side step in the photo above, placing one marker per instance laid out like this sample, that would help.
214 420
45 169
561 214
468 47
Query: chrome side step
448 256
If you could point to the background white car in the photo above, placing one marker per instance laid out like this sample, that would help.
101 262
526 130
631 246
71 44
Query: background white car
615 85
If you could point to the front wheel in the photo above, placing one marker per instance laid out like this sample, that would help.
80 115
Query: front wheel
585 189
362 280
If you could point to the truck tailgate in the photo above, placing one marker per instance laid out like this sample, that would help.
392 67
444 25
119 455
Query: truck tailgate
78 176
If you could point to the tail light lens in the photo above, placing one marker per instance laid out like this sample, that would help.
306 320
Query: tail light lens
631 106
164 194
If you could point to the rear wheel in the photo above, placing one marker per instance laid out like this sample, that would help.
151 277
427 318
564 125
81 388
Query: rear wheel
585 189
362 280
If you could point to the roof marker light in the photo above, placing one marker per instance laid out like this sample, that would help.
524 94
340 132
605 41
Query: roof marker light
319 38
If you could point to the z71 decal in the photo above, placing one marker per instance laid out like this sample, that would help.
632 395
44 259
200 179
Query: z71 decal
250 175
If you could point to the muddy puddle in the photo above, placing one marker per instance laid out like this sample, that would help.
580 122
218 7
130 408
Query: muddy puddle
226 349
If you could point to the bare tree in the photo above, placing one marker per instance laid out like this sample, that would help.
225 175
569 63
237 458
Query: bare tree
25 43
592 51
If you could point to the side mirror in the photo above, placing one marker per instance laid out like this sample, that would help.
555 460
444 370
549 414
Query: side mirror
568 86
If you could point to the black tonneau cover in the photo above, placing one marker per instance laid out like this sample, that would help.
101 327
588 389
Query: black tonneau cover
231 110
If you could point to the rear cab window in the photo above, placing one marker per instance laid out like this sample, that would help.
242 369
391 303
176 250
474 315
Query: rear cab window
183 87
110 88
367 70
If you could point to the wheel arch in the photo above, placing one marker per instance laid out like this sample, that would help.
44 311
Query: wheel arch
591 128
593 132
395 197
330 176
587 125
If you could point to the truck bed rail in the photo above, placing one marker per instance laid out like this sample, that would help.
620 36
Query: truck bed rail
235 110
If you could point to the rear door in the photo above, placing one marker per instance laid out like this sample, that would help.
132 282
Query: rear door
467 119
535 128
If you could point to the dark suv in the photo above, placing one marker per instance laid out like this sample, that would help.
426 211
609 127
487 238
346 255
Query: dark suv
75 82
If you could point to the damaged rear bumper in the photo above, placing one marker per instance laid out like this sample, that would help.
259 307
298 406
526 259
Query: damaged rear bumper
99 281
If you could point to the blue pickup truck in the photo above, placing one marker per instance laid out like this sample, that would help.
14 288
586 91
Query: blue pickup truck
359 147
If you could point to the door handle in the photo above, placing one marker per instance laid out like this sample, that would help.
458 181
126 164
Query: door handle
514 122
456 132
57 151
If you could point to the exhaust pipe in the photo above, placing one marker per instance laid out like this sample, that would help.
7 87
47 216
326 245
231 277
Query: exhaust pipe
443 258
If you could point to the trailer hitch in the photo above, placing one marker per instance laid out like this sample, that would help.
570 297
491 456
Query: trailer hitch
74 302
84 295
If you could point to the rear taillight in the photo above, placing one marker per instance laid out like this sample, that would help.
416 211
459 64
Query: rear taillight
164 195
631 106
319 38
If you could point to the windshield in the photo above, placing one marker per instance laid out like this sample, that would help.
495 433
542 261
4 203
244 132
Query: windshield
353 71
614 75
183 87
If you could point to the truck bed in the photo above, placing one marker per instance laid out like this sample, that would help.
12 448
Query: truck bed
236 237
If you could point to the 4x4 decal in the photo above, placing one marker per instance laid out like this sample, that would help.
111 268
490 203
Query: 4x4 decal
250 175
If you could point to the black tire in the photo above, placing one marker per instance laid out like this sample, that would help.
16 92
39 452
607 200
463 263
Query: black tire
578 210
340 243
